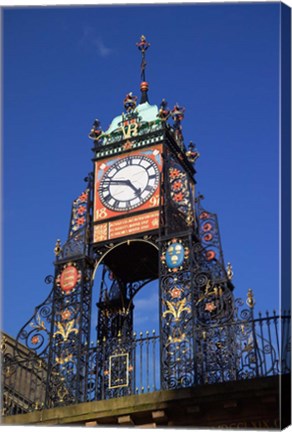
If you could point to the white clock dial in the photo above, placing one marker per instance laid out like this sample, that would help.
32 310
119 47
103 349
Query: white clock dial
129 183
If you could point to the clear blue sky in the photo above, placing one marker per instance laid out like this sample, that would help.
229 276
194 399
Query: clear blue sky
63 67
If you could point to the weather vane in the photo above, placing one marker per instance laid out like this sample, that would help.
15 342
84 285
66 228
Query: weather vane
143 45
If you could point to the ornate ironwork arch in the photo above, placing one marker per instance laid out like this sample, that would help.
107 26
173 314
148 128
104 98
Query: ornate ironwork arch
110 247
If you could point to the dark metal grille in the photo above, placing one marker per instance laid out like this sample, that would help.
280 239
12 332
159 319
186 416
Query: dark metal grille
262 348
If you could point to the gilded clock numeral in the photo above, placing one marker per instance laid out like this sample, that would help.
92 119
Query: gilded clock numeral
154 201
101 214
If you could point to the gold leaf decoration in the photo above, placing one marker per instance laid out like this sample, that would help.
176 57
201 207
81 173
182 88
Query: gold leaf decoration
65 329
176 309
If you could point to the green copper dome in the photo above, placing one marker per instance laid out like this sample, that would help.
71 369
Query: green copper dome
147 113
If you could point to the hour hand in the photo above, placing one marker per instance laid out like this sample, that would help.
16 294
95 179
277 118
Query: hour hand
136 190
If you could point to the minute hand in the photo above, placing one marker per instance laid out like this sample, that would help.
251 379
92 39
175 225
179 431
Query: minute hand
125 182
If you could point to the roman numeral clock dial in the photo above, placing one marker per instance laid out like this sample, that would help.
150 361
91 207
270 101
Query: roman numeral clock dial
129 183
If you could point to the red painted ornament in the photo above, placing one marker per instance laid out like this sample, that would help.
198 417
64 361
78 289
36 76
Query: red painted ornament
66 314
83 197
178 197
174 173
207 227
144 86
80 221
177 185
35 340
210 255
210 307
175 293
81 210
68 279
204 215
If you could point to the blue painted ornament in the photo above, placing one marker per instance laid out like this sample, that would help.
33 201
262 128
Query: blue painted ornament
174 255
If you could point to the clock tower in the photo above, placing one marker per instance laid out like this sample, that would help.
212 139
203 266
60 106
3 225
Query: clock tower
148 224
139 220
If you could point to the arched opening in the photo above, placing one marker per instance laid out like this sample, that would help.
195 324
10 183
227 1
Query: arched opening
132 260
125 292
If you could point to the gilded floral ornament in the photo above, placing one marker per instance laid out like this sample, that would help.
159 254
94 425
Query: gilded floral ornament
40 325
64 359
210 291
176 309
65 330
177 337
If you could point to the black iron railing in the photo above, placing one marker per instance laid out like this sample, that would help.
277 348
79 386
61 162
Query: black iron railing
261 347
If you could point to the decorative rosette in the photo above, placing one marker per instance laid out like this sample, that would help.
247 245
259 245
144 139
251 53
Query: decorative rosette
79 212
179 191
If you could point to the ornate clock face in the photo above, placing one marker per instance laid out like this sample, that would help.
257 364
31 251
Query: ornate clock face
129 183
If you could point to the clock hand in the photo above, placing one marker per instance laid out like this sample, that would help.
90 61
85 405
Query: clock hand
136 190
117 181
124 182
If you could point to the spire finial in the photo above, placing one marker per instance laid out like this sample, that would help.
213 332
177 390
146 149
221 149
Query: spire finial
143 45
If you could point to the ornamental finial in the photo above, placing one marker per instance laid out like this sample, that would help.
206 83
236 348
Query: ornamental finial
177 113
229 271
143 45
58 248
130 102
192 154
250 301
95 131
